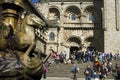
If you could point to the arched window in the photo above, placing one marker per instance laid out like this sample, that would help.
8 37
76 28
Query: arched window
54 14
52 36
91 17
73 16
35 1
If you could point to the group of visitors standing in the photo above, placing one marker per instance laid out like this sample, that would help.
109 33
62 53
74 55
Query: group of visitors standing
97 75
102 65
86 56
100 68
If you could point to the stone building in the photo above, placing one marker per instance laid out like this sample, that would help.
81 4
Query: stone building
82 24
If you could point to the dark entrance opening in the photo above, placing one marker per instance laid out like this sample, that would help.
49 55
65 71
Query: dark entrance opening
73 49
91 48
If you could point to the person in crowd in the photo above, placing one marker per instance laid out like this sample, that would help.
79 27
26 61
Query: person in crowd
57 58
109 65
103 72
96 65
96 75
118 71
61 56
45 70
111 56
79 56
74 71
88 73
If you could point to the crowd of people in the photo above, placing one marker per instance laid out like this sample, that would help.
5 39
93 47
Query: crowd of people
86 56
101 67
102 64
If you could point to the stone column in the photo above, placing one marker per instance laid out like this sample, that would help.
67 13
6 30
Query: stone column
117 2
103 23
61 35
104 15
60 41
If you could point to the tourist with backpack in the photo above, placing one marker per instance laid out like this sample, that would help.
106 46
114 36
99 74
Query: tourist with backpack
74 71
88 73
103 72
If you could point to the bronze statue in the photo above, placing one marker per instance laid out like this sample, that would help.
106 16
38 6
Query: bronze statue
27 34
17 41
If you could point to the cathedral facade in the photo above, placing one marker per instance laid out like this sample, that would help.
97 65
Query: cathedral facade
82 25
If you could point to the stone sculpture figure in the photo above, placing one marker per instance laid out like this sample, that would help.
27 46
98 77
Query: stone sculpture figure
17 60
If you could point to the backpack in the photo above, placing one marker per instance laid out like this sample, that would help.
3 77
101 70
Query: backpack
74 69
86 71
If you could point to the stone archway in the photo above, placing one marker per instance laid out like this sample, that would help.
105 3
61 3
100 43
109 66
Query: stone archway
89 43
54 14
93 16
74 43
72 14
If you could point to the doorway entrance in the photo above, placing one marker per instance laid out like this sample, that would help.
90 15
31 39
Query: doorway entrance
91 48
73 49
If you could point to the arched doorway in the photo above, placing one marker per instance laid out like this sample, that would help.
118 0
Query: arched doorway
73 49
74 44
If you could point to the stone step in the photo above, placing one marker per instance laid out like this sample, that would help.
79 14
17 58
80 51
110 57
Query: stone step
62 70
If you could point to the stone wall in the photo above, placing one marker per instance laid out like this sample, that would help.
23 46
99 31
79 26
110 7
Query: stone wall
111 35
106 34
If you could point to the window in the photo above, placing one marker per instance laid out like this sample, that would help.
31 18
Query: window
91 17
35 1
52 36
73 17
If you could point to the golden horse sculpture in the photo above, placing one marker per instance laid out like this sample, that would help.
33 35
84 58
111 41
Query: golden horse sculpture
24 38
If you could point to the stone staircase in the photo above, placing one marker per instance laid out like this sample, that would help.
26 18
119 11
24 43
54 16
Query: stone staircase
64 70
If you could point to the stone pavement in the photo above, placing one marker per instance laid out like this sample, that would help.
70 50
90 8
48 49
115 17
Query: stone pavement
64 78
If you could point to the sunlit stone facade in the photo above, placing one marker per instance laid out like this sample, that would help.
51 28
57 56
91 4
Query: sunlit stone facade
82 24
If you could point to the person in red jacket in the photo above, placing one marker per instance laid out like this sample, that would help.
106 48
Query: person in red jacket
45 70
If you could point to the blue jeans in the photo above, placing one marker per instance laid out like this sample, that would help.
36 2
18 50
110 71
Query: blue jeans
88 78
